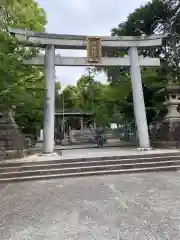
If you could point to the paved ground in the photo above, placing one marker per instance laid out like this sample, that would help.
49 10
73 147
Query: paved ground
96 152
127 207
110 143
108 152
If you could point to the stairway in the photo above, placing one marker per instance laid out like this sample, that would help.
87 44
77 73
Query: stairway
81 136
22 171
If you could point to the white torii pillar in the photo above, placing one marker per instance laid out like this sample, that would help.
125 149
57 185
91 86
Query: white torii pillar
138 100
49 100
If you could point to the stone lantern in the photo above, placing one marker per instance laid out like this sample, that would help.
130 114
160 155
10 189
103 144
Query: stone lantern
168 130
172 103
11 138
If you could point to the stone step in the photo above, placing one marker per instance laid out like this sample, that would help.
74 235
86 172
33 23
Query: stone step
29 170
22 163
87 168
90 173
79 164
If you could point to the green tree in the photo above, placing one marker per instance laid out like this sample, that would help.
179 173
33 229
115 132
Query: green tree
70 97
155 17
20 85
101 99
87 91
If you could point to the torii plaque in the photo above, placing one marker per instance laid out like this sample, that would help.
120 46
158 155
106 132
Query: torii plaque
93 49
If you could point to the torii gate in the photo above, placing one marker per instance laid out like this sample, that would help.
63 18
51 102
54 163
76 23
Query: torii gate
94 46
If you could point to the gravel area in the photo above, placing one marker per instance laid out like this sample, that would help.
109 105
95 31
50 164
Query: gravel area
128 207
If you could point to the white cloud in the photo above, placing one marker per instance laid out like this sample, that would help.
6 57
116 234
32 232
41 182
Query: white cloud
87 17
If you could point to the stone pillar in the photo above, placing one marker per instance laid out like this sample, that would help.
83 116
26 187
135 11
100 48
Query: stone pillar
49 101
138 100
81 123
41 135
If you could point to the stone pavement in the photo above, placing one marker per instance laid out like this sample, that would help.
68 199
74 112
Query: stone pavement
111 143
108 152
123 207
93 152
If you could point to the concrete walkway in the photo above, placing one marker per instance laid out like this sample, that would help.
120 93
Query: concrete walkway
93 153
109 152
110 143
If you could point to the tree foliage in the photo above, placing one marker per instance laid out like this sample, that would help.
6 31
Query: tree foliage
155 17
114 99
22 86
102 100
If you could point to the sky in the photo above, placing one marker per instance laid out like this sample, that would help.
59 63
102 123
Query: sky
84 17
